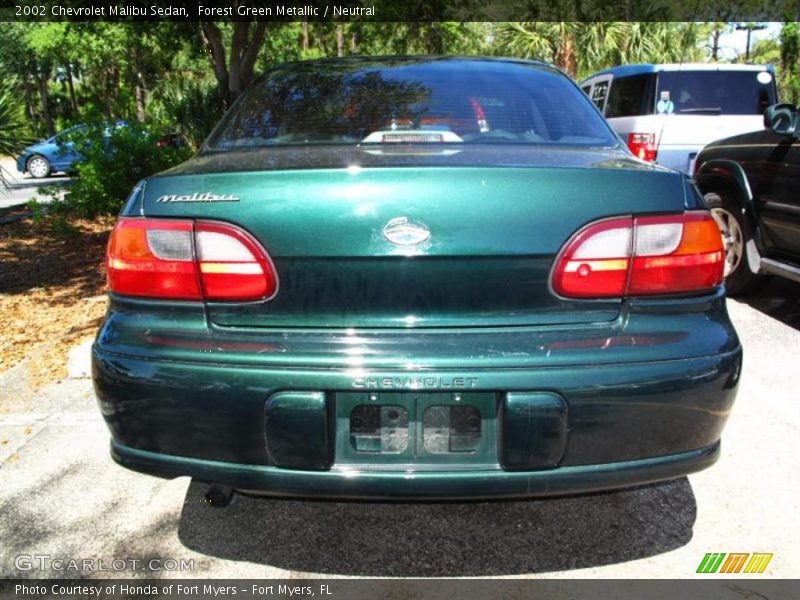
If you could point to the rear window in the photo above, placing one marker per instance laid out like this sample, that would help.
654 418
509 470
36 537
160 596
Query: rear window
715 92
628 96
411 101
599 94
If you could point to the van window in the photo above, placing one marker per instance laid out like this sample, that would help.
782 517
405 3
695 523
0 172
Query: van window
599 94
627 96
716 92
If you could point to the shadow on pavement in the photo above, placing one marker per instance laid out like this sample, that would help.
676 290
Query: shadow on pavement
25 182
779 298
443 539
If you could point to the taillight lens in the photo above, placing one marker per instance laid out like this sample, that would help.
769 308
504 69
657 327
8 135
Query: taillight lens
641 256
184 260
232 264
643 145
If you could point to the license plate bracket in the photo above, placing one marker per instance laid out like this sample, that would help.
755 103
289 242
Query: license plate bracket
391 428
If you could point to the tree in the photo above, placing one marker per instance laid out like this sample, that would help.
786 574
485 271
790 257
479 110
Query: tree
580 48
790 52
233 67
21 60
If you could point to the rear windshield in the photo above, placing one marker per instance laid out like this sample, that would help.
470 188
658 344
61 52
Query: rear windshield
715 92
409 101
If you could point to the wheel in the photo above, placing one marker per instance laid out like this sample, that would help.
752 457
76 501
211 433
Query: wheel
38 166
739 279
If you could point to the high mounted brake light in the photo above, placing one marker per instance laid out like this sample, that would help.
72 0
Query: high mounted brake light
641 256
187 260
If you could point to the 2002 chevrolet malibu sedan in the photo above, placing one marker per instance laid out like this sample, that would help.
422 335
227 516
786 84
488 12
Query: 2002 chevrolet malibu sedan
409 278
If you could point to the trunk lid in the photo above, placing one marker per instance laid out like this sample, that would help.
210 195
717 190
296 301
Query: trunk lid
494 231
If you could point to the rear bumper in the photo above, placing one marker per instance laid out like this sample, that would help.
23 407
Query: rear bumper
679 158
364 485
621 416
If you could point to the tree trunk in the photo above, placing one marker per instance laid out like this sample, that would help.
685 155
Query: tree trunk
113 91
73 100
304 43
139 95
234 73
566 58
250 54
139 87
433 39
212 40
30 106
339 40
41 84
715 35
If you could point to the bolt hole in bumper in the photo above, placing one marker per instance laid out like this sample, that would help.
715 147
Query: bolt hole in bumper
605 427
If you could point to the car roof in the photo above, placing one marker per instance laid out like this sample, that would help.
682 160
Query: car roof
400 59
640 69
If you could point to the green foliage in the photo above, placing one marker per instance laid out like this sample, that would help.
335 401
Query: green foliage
790 53
59 225
189 107
38 210
581 48
113 160
14 133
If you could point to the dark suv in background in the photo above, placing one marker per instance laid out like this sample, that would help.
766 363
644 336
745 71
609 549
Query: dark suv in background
750 182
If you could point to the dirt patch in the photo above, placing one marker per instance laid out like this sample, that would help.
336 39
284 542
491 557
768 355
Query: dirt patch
52 291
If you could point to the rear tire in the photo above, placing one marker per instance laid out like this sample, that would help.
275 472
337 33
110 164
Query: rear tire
736 233
39 167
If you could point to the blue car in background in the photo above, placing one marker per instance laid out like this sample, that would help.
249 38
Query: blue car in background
54 154
57 153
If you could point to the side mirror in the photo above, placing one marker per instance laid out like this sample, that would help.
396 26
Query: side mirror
781 118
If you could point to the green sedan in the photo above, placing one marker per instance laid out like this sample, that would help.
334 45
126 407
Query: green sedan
416 278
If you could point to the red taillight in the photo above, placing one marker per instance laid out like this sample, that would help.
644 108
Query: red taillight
184 260
232 264
643 145
641 256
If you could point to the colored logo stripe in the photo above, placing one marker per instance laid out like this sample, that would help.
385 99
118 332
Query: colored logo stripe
734 562
713 562
758 562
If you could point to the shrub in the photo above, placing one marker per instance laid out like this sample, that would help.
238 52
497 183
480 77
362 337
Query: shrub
113 158
192 106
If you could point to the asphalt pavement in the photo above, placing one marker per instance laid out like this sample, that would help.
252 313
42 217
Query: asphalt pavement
62 496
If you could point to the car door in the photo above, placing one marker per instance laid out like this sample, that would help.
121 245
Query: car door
777 197
65 152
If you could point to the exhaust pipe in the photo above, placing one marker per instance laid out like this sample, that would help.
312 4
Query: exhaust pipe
218 496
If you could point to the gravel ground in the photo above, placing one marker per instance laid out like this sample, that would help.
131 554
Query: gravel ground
62 496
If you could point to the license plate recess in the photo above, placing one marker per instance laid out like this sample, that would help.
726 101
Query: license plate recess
394 428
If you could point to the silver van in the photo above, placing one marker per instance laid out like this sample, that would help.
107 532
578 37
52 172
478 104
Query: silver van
666 113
